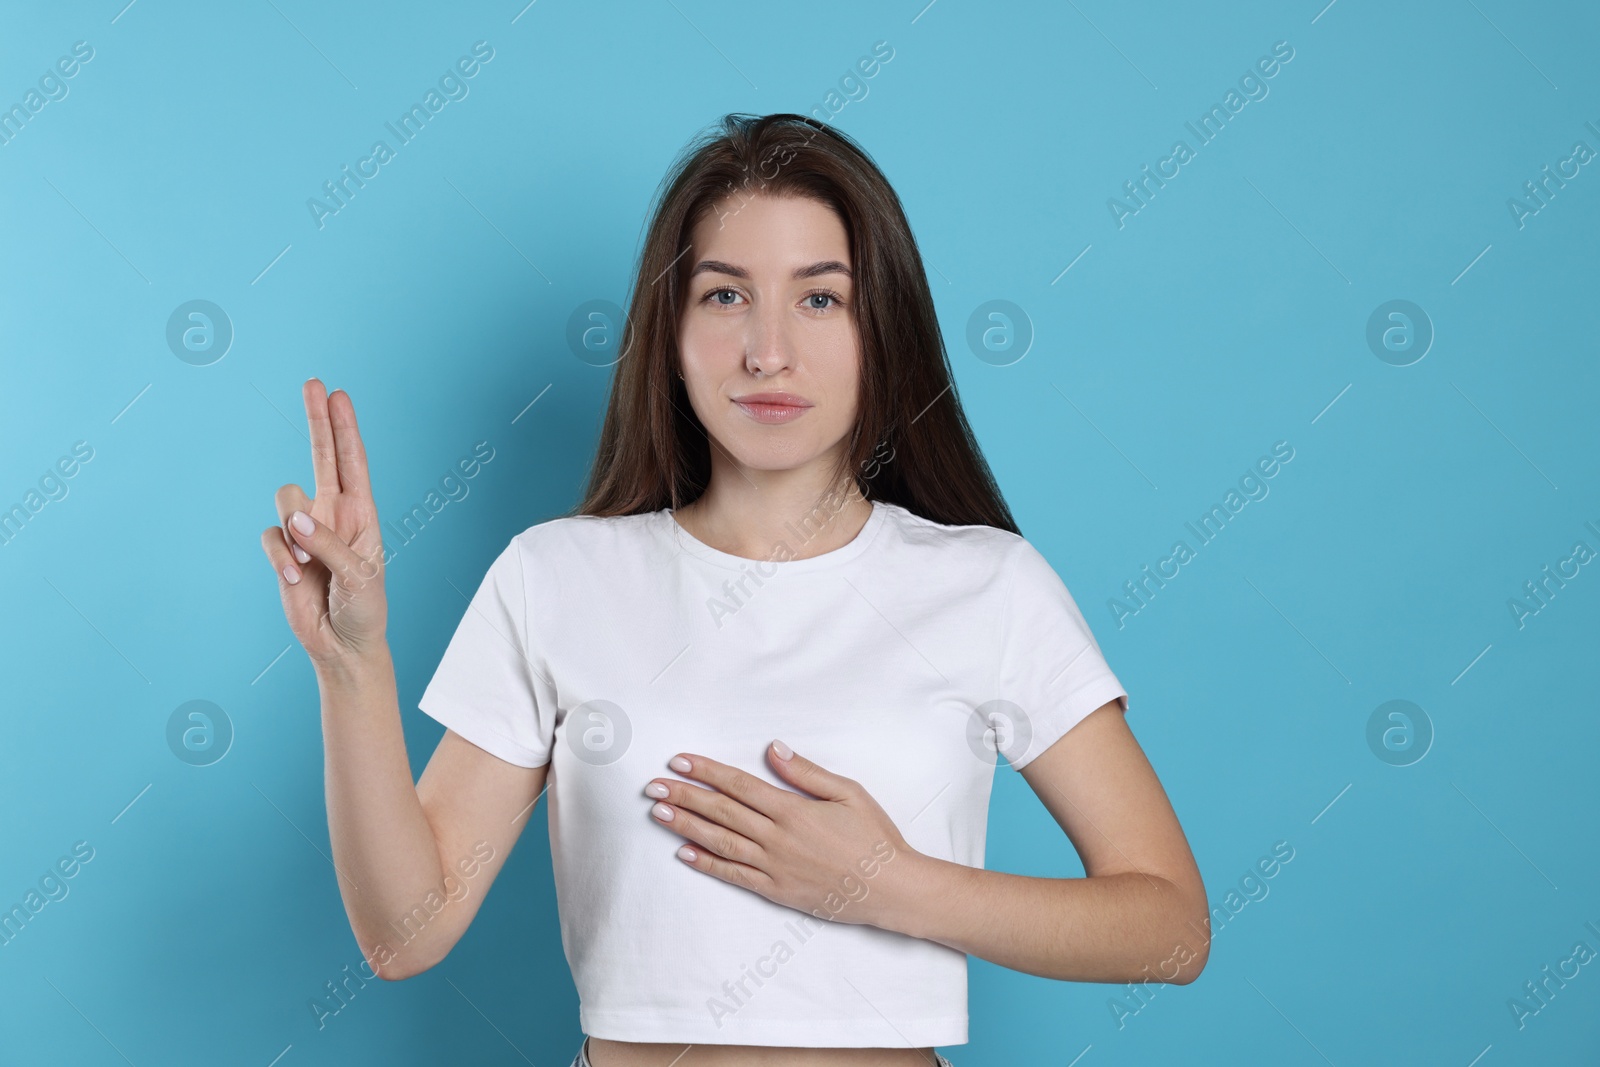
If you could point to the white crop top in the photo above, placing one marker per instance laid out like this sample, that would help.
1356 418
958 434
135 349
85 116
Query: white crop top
604 646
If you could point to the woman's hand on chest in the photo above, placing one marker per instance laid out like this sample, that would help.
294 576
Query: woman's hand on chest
835 854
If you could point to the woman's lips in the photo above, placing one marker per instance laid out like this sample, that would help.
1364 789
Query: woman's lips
771 412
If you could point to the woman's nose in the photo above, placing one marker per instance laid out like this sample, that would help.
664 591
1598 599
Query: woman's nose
768 349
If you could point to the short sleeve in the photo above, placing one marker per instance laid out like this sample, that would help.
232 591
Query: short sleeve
487 688
1051 666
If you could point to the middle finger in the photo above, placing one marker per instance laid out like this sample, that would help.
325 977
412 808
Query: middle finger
710 806
713 836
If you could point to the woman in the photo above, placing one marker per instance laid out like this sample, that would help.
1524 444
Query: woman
766 666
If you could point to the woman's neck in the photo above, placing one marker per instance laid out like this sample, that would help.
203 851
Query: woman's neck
754 523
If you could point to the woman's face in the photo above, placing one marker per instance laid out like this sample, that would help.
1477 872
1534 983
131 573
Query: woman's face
770 309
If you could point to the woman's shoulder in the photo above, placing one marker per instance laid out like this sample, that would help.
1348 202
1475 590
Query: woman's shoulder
972 549
976 539
1009 561
583 535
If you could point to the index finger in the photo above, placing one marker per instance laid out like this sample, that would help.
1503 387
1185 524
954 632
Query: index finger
324 463
744 787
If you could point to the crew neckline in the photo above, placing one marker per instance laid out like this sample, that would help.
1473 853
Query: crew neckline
691 544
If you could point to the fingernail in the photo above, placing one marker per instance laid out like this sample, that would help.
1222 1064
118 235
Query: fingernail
783 750
686 854
291 573
680 764
657 790
662 812
301 554
303 523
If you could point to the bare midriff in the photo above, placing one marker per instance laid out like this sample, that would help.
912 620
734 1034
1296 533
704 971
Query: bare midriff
603 1053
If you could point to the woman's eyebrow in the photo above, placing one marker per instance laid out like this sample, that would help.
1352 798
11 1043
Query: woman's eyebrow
717 266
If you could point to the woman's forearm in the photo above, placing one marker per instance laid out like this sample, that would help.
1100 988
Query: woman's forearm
384 850
1111 928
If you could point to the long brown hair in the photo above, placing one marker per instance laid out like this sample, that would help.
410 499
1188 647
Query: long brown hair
911 445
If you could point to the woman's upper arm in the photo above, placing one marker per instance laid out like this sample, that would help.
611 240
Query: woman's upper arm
477 805
1103 792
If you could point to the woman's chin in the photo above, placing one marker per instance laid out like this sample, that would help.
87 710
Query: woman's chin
773 455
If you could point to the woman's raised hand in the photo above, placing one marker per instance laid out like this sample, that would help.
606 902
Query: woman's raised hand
331 577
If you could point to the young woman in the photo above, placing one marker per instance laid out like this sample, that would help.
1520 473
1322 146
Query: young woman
763 669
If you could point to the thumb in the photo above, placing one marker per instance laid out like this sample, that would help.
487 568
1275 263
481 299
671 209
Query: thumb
329 549
814 779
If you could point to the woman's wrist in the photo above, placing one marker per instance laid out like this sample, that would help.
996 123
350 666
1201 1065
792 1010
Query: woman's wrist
913 886
355 670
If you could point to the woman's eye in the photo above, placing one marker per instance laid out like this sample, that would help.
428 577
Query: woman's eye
824 294
715 295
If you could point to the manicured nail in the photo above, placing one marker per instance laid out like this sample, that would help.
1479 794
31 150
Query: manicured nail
657 790
783 750
291 573
680 764
303 523
686 854
662 812
300 554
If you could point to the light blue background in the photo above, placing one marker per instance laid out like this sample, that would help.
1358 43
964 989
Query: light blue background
1228 314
